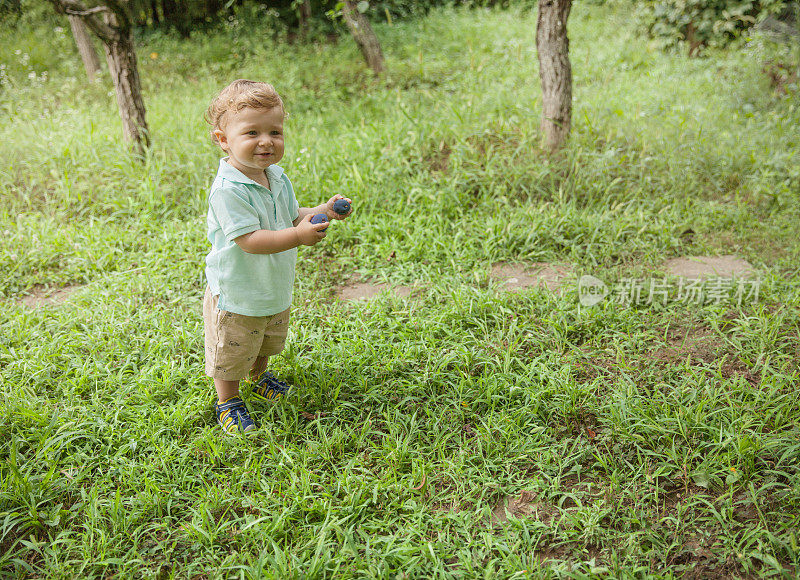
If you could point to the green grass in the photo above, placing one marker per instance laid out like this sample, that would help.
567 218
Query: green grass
647 442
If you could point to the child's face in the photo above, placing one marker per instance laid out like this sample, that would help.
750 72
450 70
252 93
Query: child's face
253 139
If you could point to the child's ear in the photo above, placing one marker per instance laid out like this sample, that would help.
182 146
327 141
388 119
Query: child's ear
219 137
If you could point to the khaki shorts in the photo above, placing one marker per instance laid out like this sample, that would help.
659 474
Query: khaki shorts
233 341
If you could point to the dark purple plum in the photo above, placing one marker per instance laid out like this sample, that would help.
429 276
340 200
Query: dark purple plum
320 218
341 206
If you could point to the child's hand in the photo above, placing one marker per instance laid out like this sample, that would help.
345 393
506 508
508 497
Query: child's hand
308 233
332 215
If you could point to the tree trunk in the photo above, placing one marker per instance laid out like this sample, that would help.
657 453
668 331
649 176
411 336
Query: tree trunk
176 15
212 9
168 11
121 59
85 48
154 13
115 31
305 17
555 71
364 36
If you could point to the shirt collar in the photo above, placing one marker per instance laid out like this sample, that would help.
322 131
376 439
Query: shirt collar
229 172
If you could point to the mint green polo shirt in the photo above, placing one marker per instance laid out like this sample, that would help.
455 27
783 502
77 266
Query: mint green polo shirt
249 284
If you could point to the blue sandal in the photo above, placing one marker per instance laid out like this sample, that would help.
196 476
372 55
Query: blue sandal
233 417
268 388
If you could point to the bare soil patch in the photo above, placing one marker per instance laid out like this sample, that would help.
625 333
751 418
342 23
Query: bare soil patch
520 507
520 277
684 342
694 343
439 159
366 290
42 295
708 266
701 345
781 75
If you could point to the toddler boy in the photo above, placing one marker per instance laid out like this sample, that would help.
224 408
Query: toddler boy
255 226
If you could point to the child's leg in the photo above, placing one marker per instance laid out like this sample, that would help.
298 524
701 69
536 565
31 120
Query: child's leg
230 345
231 412
274 338
269 387
258 367
226 389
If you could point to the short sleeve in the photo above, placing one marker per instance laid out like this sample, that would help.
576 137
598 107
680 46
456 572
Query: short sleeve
234 212
291 199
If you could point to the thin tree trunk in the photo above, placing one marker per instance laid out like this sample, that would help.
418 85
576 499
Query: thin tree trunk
305 17
364 36
176 15
121 59
110 21
184 22
212 8
555 71
85 47
168 11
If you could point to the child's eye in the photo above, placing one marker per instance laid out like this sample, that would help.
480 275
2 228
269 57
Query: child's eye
276 133
253 133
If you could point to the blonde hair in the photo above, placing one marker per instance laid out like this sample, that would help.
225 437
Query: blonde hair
237 96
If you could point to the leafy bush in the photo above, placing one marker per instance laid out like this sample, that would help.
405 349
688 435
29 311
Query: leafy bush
701 23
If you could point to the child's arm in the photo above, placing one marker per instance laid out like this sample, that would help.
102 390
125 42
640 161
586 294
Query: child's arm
326 208
273 241
304 233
